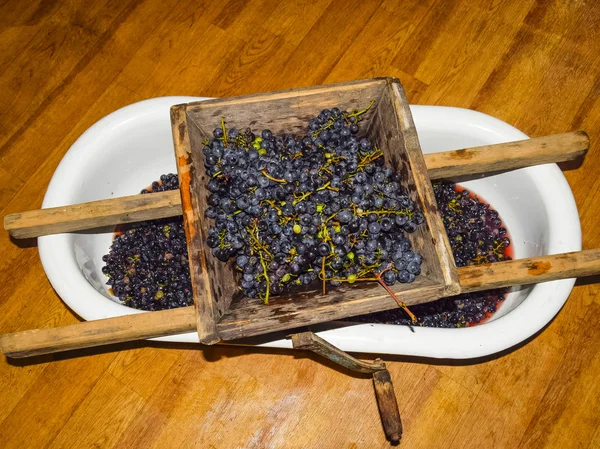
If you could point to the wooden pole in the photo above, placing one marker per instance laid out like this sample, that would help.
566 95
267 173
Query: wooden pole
175 321
129 209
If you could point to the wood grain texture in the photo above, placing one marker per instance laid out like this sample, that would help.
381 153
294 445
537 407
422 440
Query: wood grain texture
101 332
388 405
309 341
508 156
96 214
530 270
418 170
64 65
207 312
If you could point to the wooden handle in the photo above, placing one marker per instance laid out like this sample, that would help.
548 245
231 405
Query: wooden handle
388 405
508 156
382 381
311 342
129 209
88 334
176 321
95 214
529 271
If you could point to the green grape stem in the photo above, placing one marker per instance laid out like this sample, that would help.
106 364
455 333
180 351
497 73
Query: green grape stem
264 172
225 143
266 276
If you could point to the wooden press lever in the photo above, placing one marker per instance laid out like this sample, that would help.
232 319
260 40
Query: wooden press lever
556 148
161 323
130 209
382 381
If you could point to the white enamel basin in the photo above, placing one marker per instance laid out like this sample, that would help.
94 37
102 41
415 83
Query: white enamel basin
125 151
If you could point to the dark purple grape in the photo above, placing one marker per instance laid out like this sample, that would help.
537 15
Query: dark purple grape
300 201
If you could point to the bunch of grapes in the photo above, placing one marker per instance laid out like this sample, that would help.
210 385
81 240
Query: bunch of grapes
322 207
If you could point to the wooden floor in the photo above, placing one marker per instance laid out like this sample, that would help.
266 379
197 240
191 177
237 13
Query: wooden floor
64 65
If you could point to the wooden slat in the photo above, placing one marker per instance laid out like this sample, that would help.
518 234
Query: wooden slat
472 161
207 313
508 156
95 214
249 317
424 188
175 321
530 271
100 332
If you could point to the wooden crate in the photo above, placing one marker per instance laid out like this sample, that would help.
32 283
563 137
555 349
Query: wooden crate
219 305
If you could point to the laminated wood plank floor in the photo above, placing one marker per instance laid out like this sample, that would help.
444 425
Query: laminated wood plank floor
64 65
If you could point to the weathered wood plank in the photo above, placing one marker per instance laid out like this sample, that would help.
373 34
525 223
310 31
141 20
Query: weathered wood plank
252 317
465 162
207 313
79 217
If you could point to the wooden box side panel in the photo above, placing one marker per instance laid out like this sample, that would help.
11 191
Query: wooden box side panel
386 132
287 111
423 187
206 310
250 317
222 277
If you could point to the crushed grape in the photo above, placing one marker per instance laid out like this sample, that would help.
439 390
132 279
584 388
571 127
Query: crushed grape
147 265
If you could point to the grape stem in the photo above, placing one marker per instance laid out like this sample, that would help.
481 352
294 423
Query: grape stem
264 172
302 198
392 294
359 113
259 247
405 212
262 262
370 158
273 205
225 144
323 275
